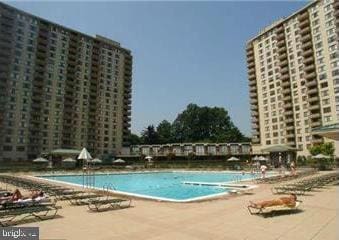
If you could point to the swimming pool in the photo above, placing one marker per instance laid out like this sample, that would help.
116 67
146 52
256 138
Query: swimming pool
168 186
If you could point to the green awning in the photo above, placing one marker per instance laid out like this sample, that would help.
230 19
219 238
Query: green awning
279 148
329 131
65 152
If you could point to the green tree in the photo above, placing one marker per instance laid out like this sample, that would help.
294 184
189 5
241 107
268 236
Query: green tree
196 124
324 148
164 131
133 139
149 135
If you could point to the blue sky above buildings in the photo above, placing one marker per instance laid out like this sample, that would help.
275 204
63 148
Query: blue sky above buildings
184 52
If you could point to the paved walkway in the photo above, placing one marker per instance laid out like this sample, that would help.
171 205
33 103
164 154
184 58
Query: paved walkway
225 218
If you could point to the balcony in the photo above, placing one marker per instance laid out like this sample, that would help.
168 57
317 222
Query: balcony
254 114
304 23
255 120
309 68
306 38
290 135
315 116
286 91
249 52
285 84
288 113
289 120
303 16
282 57
310 76
255 140
284 63
283 70
288 105
305 31
254 107
287 98
309 60
306 46
308 53
251 76
254 100
290 141
251 71
280 29
251 65
312 91
285 77
281 36
253 89
252 83
316 124
289 128
313 99
253 95
314 107
282 49
250 58
281 43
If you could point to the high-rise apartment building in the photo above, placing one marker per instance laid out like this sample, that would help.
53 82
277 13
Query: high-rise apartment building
293 71
60 88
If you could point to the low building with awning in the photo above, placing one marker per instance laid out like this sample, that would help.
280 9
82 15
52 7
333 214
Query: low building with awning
331 134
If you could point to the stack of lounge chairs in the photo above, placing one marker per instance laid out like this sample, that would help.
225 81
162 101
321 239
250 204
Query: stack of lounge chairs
13 212
306 184
284 178
95 201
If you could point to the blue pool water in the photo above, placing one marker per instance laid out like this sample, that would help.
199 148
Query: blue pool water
162 185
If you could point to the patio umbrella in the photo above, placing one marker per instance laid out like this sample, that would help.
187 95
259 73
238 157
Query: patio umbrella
232 159
256 158
84 155
321 156
40 160
69 160
262 158
119 161
96 160
149 158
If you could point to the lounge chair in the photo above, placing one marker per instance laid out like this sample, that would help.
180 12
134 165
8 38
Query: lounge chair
264 210
98 205
13 212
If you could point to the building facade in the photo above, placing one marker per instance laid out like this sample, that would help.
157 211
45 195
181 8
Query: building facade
184 149
293 72
60 88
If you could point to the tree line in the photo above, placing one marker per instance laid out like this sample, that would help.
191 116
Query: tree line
194 124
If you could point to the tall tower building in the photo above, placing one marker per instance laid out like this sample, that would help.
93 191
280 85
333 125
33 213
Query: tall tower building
60 88
293 72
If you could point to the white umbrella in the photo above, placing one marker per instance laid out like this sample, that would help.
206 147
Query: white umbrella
70 160
148 157
232 159
40 160
261 158
321 156
84 155
96 160
119 161
256 158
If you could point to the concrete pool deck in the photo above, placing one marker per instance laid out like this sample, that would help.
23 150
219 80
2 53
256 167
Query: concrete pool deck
223 218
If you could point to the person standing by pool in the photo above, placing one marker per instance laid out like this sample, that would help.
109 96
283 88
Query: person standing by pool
293 168
263 169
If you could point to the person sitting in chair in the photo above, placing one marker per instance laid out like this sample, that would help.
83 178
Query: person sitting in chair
283 201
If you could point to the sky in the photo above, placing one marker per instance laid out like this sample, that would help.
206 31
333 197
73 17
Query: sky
183 52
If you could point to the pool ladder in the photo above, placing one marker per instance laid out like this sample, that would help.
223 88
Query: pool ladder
108 186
